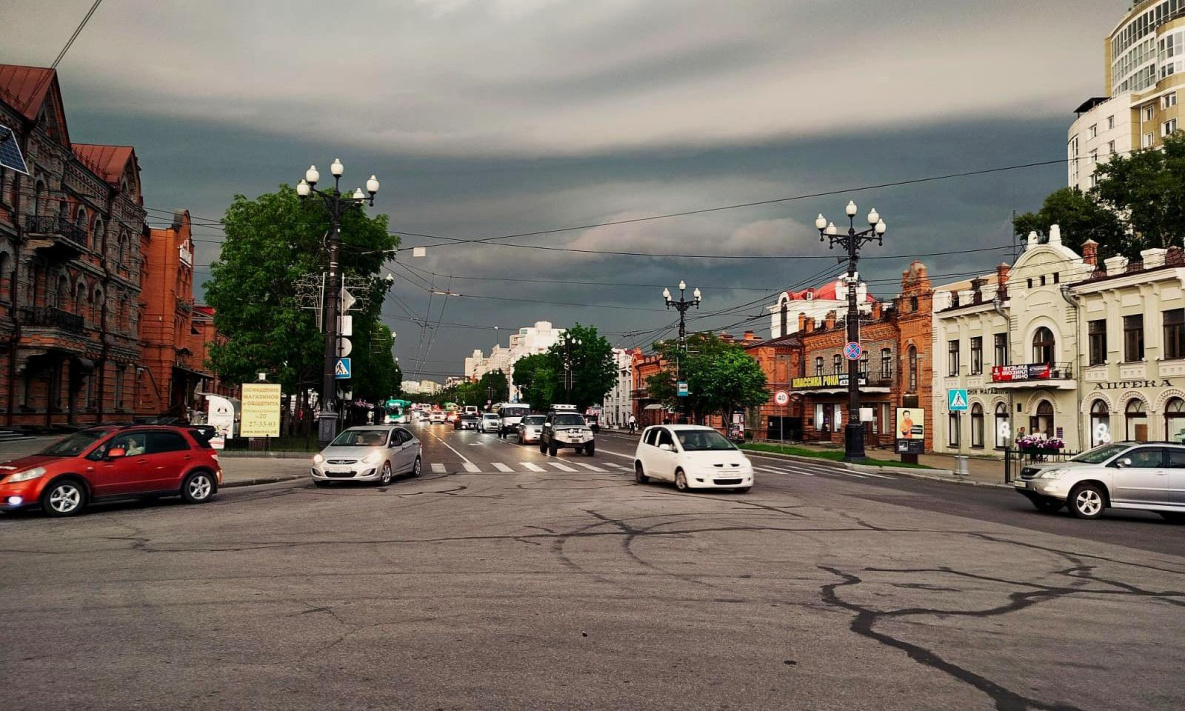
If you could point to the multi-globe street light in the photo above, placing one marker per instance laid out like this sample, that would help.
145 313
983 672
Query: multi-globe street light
852 241
337 204
569 343
682 305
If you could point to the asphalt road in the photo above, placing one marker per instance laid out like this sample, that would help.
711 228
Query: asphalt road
502 580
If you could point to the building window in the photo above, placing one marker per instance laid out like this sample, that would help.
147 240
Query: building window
952 358
1174 420
1094 156
1093 131
952 429
819 365
1174 334
119 375
784 319
1137 420
977 355
1148 141
886 363
1168 128
864 367
1133 338
837 363
1111 148
80 222
1149 112
913 369
977 426
1100 423
1111 125
1029 282
1000 342
1042 422
913 304
1097 334
1043 345
1002 428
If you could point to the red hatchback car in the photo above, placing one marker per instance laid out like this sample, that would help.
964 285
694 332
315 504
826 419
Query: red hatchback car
111 463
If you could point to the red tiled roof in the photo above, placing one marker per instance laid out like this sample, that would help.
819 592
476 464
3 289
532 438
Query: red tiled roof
24 88
107 161
822 293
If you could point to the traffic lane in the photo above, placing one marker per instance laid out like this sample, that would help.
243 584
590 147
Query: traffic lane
1141 530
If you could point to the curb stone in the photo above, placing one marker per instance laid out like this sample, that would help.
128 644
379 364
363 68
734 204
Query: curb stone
259 481
249 454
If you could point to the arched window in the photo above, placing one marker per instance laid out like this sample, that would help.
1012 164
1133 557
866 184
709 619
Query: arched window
977 426
1041 423
1137 420
97 243
5 277
784 319
1174 420
1043 345
80 222
122 252
40 199
1003 429
1100 423
913 304
80 298
913 369
62 295
97 307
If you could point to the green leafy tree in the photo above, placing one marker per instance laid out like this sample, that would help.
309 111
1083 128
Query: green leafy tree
493 386
1080 218
721 377
593 372
1147 189
536 379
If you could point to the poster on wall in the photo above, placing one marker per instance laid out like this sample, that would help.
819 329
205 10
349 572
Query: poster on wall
911 430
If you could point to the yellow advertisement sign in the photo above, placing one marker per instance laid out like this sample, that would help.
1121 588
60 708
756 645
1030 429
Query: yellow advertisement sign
261 410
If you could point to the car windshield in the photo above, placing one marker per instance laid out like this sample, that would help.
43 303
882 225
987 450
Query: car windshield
361 438
702 441
75 444
1098 455
534 420
513 411
567 420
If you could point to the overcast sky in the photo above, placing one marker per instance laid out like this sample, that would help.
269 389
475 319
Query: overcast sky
485 118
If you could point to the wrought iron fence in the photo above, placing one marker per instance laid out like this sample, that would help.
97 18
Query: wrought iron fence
55 225
54 318
1025 463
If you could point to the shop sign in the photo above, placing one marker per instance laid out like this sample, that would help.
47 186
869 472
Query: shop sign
815 382
1012 373
1132 384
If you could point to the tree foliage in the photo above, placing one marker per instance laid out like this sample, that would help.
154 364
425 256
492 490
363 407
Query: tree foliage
721 377
1079 217
536 379
593 371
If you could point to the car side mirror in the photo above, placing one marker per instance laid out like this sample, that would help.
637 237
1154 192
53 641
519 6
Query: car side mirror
666 447
117 453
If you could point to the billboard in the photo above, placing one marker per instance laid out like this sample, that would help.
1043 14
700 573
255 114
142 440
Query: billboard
261 410
910 430
815 382
1010 373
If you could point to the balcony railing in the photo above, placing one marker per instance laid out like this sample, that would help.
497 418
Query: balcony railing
1032 371
54 225
53 318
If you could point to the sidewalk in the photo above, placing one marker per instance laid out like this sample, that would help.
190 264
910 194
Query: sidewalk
252 471
982 471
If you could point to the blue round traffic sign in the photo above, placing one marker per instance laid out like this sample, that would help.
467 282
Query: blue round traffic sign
853 351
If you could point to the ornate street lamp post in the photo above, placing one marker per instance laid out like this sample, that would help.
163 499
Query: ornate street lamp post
852 241
682 305
337 204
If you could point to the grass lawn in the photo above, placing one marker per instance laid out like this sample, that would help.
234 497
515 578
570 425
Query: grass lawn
831 455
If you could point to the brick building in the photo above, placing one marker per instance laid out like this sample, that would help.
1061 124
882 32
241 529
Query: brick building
647 411
781 361
895 370
69 265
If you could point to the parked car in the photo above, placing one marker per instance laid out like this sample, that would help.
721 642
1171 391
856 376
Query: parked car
437 417
490 422
368 454
564 427
1124 475
112 463
530 429
692 457
466 422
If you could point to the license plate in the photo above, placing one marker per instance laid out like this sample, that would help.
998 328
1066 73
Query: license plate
337 470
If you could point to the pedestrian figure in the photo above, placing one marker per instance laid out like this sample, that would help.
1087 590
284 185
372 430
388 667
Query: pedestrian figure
633 424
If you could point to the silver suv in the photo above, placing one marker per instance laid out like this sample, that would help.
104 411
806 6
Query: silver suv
1125 475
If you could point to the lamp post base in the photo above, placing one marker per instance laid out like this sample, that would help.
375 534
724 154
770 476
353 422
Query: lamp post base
326 427
853 442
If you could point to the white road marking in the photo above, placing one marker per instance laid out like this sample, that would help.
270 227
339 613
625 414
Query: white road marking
462 456
590 467
771 470
533 467
617 466
471 467
562 467
437 468
502 467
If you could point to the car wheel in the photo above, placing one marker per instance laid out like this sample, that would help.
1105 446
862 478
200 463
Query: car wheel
385 475
415 468
198 488
640 476
1087 501
579 450
64 497
1174 516
1048 505
681 481
553 450
590 450
542 447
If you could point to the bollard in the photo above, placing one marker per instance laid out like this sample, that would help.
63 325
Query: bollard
961 462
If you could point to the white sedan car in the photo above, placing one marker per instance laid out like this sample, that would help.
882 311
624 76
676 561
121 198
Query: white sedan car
692 457
375 454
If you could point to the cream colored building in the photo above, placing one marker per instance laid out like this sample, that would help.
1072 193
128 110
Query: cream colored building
1144 60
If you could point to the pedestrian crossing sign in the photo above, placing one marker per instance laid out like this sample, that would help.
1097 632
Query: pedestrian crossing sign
957 400
342 370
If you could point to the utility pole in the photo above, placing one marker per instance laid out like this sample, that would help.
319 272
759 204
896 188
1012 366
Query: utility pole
852 241
569 343
682 305
337 204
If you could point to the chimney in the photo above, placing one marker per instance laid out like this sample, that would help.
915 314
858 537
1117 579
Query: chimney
1032 241
810 326
1055 235
801 322
977 289
1115 265
750 336
829 321
1090 252
726 337
876 311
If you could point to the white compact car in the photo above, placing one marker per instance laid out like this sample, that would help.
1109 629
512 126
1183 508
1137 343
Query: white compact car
531 429
368 454
490 422
692 457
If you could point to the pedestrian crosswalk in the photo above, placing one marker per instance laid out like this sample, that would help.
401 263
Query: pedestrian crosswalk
568 466
806 470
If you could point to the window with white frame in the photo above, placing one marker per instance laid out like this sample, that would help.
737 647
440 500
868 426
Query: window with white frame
1169 127
1149 140
1093 131
1110 122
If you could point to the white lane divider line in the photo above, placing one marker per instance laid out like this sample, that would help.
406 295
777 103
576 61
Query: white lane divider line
471 467
502 467
562 467
590 467
622 467
437 468
771 470
532 467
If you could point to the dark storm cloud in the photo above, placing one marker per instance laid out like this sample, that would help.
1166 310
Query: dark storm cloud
508 116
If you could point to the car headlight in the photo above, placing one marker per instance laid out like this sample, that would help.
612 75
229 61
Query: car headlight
1050 474
27 475
373 458
317 459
